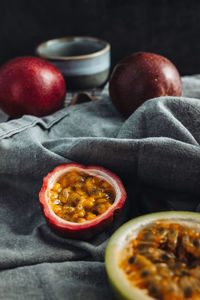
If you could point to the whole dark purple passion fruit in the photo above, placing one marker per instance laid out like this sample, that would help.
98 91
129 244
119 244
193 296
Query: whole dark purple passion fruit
140 77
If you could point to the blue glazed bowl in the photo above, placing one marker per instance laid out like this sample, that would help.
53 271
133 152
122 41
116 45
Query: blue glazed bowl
83 61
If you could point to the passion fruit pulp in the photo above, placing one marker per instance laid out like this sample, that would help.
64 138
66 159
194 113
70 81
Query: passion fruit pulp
156 256
80 201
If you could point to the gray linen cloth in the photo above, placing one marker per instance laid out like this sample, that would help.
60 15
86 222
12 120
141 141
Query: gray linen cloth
155 152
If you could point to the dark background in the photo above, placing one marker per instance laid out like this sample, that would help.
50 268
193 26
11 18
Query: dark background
170 28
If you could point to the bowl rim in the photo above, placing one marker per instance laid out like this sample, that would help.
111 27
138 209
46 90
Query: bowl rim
105 49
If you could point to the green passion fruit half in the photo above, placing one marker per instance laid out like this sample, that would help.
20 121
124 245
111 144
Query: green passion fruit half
156 256
80 201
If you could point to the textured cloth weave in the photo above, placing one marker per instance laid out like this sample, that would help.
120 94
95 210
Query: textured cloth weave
155 152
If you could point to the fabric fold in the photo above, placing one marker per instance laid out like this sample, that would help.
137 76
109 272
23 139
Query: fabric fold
155 152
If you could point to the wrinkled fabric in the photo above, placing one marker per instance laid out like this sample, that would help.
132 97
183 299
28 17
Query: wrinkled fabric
155 152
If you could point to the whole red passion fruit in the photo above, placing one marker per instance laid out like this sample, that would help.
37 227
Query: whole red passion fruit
30 85
79 201
142 76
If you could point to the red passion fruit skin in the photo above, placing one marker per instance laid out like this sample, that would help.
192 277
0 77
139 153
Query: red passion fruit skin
31 85
140 77
87 229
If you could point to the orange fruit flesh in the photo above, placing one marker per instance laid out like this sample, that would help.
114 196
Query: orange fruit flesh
79 197
164 260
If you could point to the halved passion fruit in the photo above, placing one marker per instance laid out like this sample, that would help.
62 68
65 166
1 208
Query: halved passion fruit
80 201
156 256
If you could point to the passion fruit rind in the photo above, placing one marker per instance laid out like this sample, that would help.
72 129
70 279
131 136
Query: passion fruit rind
89 228
130 232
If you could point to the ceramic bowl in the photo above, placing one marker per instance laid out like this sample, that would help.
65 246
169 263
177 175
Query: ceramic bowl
83 61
